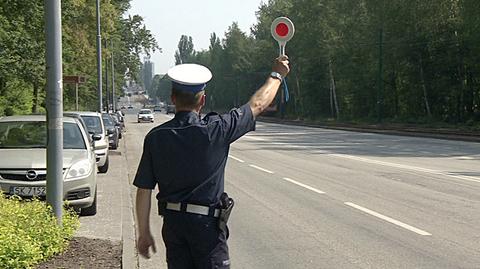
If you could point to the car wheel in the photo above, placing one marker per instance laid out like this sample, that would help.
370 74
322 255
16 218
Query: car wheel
91 210
103 169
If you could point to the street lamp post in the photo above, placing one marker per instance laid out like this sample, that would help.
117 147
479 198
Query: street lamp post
107 94
99 60
53 39
114 100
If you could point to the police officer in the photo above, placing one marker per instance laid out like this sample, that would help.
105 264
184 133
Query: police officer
186 158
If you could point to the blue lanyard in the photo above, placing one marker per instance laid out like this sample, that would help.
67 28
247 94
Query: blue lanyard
285 90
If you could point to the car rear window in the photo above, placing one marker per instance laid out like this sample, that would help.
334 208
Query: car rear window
93 124
107 120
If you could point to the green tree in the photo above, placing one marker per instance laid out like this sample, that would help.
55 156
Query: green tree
22 50
185 52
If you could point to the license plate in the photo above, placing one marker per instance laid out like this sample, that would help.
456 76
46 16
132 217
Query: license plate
28 191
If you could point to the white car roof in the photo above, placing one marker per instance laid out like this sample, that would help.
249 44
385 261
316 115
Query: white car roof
86 113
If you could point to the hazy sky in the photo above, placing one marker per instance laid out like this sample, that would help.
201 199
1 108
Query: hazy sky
168 20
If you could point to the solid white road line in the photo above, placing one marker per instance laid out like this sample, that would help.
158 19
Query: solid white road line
371 161
408 167
236 159
385 218
303 185
464 158
261 169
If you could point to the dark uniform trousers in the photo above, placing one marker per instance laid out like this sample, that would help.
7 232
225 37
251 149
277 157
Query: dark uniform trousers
194 241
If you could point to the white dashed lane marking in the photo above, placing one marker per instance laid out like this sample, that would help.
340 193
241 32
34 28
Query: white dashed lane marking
303 185
261 169
388 219
236 159
363 209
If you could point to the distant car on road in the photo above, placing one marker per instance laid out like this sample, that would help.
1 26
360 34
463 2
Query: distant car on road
157 108
145 115
130 107
170 109
23 164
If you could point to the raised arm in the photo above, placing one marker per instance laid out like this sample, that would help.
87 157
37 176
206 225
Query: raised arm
265 94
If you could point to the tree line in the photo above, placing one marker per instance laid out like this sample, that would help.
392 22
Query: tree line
368 60
22 51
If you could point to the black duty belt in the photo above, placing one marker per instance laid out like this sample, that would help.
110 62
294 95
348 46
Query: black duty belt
194 209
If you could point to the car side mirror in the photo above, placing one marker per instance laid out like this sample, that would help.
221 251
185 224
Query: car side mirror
96 137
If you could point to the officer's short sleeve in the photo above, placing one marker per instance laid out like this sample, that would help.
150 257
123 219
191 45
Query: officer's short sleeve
145 178
238 122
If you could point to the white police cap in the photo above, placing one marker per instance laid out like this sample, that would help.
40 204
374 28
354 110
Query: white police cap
189 77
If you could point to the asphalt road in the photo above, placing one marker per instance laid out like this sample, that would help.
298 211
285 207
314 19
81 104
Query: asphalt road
317 198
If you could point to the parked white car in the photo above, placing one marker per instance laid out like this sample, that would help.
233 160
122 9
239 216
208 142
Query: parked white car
23 168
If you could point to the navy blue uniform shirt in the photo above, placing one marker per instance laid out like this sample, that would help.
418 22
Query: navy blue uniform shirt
186 156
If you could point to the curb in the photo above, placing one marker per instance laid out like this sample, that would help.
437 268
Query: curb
129 257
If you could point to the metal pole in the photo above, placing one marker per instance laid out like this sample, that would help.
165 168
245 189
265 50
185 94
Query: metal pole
76 96
107 95
99 60
114 99
53 34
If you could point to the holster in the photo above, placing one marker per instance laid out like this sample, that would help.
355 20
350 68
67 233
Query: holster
226 206
162 208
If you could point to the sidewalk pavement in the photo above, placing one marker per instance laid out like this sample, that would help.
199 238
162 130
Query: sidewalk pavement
114 219
133 152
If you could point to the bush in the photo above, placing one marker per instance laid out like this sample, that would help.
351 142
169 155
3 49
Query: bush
29 232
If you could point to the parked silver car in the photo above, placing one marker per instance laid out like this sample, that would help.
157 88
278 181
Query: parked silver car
95 126
113 130
23 169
